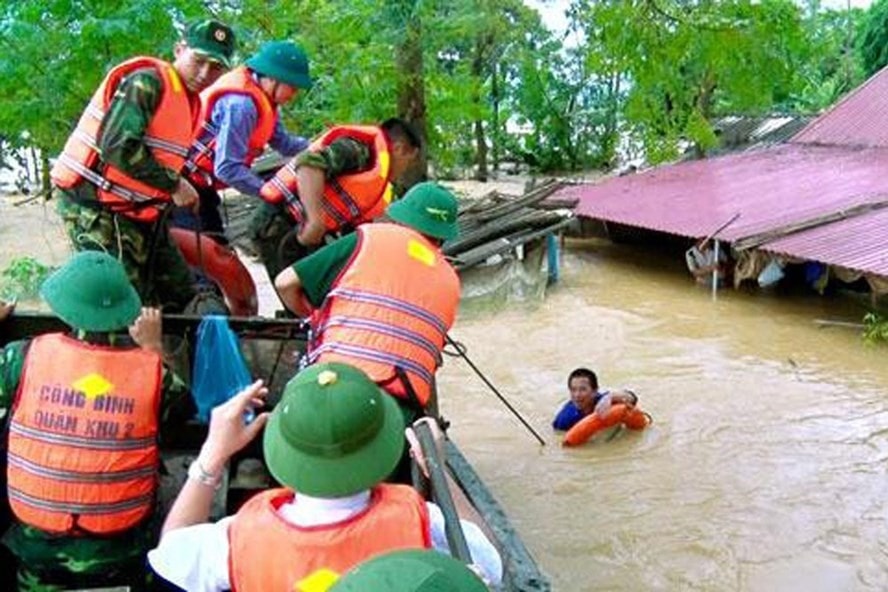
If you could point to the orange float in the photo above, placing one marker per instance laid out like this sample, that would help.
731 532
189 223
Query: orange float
222 265
631 417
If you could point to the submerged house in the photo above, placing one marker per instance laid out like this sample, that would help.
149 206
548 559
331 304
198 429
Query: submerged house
819 197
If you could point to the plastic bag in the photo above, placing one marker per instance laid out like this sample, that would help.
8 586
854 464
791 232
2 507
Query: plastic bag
771 274
220 370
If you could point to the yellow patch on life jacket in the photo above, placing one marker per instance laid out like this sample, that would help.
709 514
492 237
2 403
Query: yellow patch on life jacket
318 581
420 252
388 193
93 385
384 160
176 81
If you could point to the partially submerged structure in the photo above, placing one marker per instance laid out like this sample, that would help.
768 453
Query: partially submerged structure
819 197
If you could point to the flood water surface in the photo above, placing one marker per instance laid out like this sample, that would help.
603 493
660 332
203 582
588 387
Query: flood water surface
764 469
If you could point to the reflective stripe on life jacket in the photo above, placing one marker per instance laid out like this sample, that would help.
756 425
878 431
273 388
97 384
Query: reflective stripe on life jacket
83 451
350 199
203 142
391 306
268 553
167 136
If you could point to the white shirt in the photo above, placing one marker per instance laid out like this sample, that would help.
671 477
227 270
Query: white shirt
195 558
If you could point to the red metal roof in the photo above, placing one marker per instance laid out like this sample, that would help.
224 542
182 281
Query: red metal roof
857 243
856 120
770 188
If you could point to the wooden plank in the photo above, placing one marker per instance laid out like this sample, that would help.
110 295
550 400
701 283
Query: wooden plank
505 243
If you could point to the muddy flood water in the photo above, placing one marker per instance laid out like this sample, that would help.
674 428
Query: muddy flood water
764 470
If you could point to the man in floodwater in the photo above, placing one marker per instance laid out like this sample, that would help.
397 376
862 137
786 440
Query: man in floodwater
585 398
331 441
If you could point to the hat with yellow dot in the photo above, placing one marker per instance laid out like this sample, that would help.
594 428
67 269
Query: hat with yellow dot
334 432
411 570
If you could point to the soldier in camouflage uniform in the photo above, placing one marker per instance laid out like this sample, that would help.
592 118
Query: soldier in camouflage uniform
273 229
91 288
153 263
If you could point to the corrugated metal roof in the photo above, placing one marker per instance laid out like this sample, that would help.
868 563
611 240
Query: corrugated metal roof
770 188
856 120
857 243
736 132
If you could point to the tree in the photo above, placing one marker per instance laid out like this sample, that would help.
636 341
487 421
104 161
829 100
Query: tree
873 37
685 62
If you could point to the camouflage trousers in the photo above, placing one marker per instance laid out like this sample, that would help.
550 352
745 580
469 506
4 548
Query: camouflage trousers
154 264
53 564
273 233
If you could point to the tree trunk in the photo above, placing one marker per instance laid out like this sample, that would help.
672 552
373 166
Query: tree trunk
480 139
496 135
45 180
411 92
704 105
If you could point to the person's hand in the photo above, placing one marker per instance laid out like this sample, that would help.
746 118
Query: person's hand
416 448
184 195
6 309
311 233
604 405
228 433
147 330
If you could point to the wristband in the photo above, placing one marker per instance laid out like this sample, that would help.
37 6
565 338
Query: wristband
196 472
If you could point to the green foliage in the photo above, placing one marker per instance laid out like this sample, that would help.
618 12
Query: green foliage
875 328
479 76
22 278
873 38
831 66
689 62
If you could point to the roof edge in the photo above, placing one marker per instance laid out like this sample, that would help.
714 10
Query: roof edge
819 119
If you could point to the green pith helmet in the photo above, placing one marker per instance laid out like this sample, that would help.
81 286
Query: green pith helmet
91 292
334 433
429 209
211 38
413 570
283 61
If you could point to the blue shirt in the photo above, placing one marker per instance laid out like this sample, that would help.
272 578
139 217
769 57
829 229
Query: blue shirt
570 414
235 116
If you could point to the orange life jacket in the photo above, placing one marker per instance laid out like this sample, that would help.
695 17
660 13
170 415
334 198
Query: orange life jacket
268 553
391 306
349 200
168 136
83 451
203 143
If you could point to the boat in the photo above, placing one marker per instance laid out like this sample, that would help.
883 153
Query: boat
271 348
